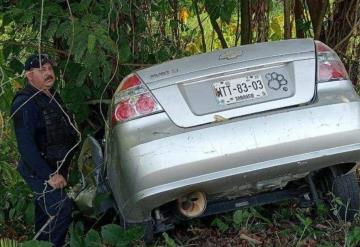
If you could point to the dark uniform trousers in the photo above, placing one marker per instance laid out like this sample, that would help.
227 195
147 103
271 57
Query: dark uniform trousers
54 203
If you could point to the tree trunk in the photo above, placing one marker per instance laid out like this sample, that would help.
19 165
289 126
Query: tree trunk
299 18
175 28
261 20
246 34
317 10
354 66
162 26
133 20
195 3
287 23
219 33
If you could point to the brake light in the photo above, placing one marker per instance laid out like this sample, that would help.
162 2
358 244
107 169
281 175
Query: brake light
330 67
129 82
145 104
132 99
123 111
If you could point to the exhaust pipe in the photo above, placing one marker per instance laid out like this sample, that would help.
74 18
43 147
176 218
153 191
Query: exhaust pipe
192 205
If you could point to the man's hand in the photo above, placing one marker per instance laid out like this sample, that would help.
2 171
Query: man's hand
57 181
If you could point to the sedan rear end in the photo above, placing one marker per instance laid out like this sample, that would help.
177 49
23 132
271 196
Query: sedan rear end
229 124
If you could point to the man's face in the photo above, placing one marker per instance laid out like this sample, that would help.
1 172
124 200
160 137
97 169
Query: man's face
42 78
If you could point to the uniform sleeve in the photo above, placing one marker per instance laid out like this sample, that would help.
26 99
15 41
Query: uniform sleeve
25 119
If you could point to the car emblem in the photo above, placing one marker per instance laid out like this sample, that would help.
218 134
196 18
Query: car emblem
276 81
230 55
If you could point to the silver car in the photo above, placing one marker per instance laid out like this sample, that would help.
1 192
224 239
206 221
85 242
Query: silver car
233 128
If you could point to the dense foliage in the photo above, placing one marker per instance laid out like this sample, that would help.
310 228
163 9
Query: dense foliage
95 43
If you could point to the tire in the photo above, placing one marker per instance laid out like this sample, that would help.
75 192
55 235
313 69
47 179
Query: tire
346 188
148 233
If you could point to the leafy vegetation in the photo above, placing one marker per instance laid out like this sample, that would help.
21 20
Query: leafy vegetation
96 43
16 206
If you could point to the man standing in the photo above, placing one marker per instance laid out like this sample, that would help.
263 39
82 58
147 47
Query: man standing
45 138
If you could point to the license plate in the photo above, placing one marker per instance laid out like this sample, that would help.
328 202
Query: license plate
240 89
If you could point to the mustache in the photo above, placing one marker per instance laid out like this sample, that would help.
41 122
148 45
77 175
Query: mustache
49 77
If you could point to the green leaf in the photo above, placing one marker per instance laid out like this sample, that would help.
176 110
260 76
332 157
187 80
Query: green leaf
117 236
306 221
221 225
12 213
112 233
109 45
275 27
101 198
168 240
27 18
90 61
64 30
256 214
29 214
353 237
227 10
106 71
72 71
81 78
7 51
124 52
7 18
213 8
76 232
16 65
93 239
95 76
241 216
36 243
52 28
85 3
80 46
91 42
25 4
2 217
130 235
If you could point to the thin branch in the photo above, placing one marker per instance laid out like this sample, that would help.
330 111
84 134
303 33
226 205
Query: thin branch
195 3
348 35
237 32
218 31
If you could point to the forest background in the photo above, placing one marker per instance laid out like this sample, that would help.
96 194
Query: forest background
95 43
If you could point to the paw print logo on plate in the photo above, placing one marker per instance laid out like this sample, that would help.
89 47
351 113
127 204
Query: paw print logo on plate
276 81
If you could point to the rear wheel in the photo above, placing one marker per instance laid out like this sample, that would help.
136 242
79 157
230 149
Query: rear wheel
342 192
148 232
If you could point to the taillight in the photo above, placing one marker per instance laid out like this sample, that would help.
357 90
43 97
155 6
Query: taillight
132 99
330 67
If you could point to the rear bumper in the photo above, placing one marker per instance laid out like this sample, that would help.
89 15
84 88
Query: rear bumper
241 155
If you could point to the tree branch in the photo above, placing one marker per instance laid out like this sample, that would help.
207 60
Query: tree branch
218 31
356 25
195 3
287 24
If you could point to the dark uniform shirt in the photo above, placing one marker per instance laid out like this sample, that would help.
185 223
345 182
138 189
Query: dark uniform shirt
30 130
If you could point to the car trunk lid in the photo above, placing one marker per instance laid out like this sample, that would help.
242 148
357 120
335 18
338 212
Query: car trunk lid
234 82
